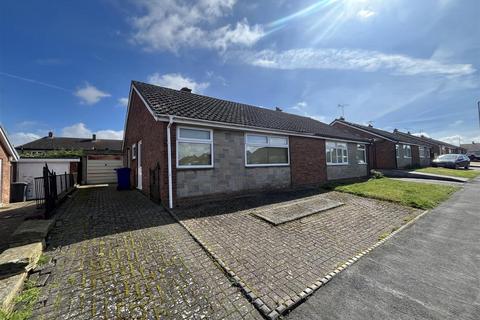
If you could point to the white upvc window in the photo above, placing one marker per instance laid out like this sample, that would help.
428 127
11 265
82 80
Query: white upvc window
134 151
265 150
337 153
194 148
397 151
407 151
423 152
361 154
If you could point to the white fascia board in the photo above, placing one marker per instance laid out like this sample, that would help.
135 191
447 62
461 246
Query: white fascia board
9 146
56 160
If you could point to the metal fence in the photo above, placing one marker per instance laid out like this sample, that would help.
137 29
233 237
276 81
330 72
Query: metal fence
52 187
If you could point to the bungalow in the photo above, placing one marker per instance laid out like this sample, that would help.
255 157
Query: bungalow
472 149
7 156
388 150
183 146
440 147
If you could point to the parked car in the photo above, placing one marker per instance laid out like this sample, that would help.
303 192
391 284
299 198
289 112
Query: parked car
474 156
453 161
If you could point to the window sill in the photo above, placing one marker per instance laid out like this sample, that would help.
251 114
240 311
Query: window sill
266 165
195 167
337 164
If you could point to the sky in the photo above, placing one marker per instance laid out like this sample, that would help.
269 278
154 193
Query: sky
66 66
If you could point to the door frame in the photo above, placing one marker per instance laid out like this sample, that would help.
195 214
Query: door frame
139 166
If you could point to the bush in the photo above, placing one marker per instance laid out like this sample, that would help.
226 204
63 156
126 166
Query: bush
376 174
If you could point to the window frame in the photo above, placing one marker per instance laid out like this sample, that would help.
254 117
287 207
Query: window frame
364 148
405 147
424 152
134 151
336 148
269 136
193 140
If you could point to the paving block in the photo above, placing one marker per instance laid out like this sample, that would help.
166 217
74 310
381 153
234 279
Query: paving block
9 288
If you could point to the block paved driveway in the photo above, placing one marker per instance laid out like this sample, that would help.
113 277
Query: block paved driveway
431 270
278 262
118 255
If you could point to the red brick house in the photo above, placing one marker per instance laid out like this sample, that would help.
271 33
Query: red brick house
7 156
389 150
182 146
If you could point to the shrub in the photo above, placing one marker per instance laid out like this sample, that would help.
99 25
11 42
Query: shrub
376 174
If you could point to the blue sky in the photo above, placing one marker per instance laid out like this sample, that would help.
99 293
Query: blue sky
66 66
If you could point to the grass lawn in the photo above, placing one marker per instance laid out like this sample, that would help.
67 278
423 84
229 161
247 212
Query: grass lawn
461 173
412 194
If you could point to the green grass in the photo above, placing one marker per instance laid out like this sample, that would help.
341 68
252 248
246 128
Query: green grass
24 303
461 173
412 194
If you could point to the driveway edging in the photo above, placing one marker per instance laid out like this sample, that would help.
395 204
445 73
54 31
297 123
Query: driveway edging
258 303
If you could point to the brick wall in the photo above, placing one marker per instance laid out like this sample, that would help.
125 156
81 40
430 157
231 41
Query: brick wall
415 156
142 126
5 177
307 161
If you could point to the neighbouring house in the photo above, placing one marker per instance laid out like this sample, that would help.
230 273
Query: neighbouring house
184 146
441 147
8 155
426 149
472 149
388 150
98 157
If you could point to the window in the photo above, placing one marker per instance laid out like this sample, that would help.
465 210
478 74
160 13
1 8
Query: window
423 152
194 148
407 151
337 153
397 150
264 150
361 154
134 151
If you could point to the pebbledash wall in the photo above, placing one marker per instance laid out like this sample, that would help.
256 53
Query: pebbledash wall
229 173
351 170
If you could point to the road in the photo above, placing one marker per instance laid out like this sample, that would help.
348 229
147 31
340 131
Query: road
430 270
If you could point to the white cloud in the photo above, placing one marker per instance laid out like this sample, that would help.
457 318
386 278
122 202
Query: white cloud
177 81
300 108
80 130
174 24
123 101
90 95
356 59
365 14
456 123
19 138
419 134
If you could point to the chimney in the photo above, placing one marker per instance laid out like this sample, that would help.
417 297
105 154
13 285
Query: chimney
395 130
94 137
342 118
278 109
370 125
185 89
409 132
50 134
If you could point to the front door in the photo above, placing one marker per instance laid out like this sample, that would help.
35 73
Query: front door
139 165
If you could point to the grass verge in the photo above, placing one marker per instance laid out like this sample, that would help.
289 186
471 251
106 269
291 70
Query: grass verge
459 173
24 303
417 195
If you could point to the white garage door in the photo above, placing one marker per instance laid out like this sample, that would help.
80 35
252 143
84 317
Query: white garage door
101 169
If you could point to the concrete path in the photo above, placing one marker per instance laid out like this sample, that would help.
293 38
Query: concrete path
448 183
396 173
429 271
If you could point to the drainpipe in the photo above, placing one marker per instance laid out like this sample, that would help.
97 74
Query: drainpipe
169 155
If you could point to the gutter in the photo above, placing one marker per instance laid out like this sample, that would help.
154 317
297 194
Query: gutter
169 155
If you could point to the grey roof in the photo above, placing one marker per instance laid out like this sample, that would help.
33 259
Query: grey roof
436 142
62 143
375 131
471 146
415 139
164 101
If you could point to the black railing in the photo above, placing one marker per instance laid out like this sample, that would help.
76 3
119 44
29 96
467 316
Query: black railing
52 187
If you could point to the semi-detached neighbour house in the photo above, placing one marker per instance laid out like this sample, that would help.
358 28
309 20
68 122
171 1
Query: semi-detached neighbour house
184 146
388 150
